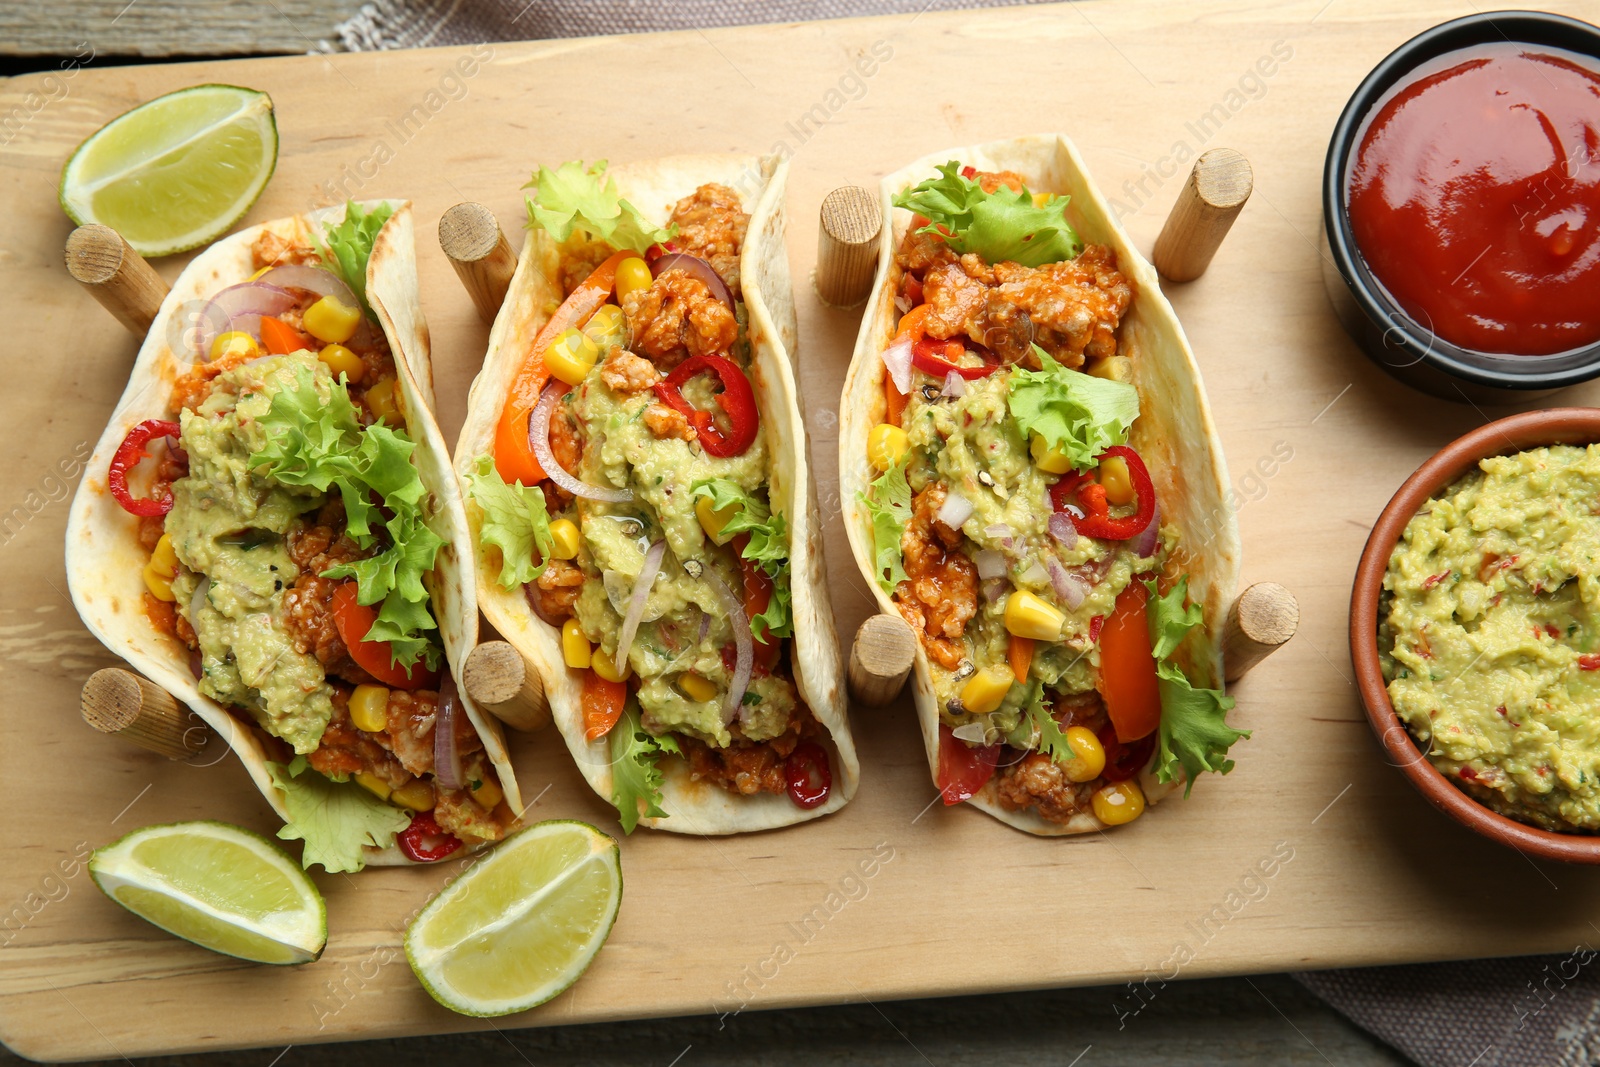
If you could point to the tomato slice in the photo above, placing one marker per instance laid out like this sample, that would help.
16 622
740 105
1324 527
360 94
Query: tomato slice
1128 667
602 703
375 657
1124 761
963 770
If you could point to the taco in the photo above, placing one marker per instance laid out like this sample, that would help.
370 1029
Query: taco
287 561
634 466
1031 478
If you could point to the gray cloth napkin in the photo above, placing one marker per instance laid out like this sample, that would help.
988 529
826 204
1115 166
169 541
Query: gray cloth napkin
1534 1011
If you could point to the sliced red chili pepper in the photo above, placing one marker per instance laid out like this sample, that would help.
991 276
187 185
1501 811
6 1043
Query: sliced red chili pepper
415 840
911 286
938 359
1097 520
736 398
808 775
1066 485
127 457
659 249
1124 760
1588 661
969 172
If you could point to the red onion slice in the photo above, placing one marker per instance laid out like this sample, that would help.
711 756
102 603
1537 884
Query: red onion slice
1144 542
954 385
446 759
201 589
641 593
1062 530
733 704
312 279
239 308
955 510
539 441
698 268
897 359
1069 587
990 563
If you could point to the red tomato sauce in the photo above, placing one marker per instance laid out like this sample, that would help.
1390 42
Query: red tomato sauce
1475 198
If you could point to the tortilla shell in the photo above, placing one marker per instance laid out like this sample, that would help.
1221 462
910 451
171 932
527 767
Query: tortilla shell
1174 432
653 188
105 560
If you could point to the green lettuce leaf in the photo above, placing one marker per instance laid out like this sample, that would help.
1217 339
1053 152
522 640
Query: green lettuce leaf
888 503
1038 729
778 619
334 819
1194 732
573 197
768 545
515 520
345 248
1076 413
635 778
1002 226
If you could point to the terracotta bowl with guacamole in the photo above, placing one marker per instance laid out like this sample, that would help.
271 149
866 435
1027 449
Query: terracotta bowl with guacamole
1475 632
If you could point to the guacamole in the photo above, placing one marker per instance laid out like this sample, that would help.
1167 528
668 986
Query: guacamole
1489 635
227 525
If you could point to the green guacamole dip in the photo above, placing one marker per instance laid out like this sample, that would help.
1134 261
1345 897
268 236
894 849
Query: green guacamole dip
1489 634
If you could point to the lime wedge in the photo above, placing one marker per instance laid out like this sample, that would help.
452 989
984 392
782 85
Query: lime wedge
221 887
176 172
522 924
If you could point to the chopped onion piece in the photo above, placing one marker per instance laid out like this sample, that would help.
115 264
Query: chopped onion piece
446 759
733 704
1035 574
1069 587
991 564
641 593
539 441
954 385
994 589
997 530
956 510
1061 528
897 358
1144 542
975 732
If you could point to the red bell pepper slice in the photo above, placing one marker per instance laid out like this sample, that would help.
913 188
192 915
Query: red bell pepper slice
354 621
127 457
1096 520
737 399
757 598
414 840
1124 761
1128 682
963 769
938 359
807 775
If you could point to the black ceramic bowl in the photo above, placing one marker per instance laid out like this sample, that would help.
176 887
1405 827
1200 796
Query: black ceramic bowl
1386 333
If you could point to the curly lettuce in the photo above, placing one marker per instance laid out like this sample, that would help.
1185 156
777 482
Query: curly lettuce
767 545
515 520
573 198
334 819
888 504
1075 413
635 777
347 247
1002 226
1194 733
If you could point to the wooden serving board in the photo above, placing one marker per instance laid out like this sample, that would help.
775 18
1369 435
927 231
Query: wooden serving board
1312 853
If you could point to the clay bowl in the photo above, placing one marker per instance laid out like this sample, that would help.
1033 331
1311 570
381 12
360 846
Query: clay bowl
1518 432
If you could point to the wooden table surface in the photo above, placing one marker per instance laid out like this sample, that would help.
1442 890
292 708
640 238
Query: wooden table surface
1371 875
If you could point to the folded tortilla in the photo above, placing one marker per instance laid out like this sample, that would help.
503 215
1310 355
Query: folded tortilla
105 560
1174 432
653 187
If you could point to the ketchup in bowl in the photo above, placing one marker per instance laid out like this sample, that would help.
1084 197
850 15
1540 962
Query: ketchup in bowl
1474 197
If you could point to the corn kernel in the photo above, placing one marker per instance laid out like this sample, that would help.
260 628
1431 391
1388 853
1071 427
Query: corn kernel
415 794
164 557
885 445
383 401
603 665
564 538
1112 368
372 784
257 275
159 584
1118 803
235 341
1027 615
696 687
1117 481
1048 459
341 360
369 708
632 276
571 357
331 320
986 689
575 648
487 793
607 328
1041 199
1089 756
712 520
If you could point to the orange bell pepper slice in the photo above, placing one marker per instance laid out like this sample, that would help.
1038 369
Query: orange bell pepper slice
602 703
1128 683
913 326
513 456
279 338
1020 655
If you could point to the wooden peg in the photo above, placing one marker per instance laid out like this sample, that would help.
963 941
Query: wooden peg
471 236
847 245
1260 622
880 659
119 278
116 701
498 678
1210 200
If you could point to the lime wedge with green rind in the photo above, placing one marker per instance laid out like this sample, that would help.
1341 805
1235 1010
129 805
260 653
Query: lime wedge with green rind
221 887
177 172
519 926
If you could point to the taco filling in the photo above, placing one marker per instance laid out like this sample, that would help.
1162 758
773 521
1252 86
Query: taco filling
1014 527
291 553
629 495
